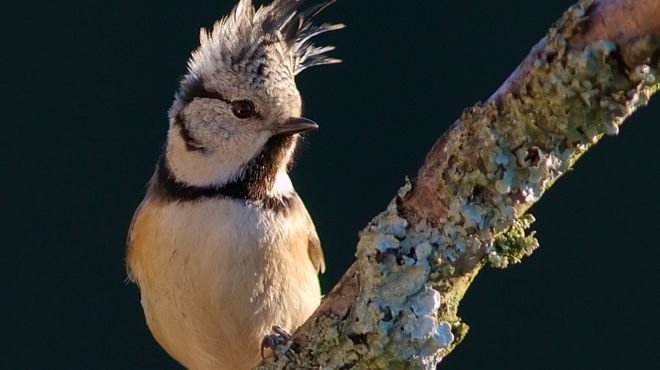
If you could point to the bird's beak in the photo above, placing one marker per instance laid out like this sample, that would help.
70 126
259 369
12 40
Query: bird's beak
295 125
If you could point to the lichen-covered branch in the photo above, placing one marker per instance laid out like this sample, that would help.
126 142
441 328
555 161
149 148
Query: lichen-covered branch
397 306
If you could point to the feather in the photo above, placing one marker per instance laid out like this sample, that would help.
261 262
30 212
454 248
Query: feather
276 28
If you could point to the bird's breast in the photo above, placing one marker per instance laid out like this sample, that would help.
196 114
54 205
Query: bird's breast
216 274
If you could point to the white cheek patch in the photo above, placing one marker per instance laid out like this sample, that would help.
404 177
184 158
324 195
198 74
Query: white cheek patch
222 162
282 185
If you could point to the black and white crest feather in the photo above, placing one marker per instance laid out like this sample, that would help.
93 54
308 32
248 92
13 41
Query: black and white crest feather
278 31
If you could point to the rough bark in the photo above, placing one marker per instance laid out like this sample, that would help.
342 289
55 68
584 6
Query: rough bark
397 306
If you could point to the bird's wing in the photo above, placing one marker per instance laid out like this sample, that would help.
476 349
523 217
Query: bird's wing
129 242
315 251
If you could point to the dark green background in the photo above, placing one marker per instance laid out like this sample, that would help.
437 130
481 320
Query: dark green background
85 88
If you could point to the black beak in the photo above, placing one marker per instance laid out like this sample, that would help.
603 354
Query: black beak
295 125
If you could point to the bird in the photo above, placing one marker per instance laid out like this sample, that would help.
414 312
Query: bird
222 248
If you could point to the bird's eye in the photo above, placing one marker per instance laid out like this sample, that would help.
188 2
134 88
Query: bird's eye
243 109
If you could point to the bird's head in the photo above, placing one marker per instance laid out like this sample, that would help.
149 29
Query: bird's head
238 102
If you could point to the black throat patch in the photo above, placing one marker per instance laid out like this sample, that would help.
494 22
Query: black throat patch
252 186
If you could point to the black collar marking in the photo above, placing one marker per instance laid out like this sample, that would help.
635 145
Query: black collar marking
252 187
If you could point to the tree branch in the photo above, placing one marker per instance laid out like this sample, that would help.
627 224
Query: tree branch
396 307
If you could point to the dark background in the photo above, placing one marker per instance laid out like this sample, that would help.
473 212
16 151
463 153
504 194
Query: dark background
84 92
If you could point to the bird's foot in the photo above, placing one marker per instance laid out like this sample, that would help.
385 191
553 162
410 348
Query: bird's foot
272 341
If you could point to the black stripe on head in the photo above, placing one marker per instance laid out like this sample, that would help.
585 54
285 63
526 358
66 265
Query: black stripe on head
193 87
192 144
251 187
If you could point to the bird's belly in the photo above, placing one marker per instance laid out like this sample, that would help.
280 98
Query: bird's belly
215 279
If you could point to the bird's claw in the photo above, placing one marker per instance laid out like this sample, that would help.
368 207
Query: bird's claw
275 340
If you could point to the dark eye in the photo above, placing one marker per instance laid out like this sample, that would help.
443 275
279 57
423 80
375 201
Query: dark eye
243 109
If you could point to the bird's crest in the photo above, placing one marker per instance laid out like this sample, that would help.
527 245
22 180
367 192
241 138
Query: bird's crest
279 30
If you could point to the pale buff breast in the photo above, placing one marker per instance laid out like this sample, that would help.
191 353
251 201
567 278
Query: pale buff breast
215 275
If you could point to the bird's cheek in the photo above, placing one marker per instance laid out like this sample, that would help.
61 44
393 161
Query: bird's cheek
248 141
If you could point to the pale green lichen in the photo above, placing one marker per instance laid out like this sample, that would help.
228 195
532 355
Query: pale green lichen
511 246
500 159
